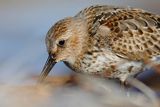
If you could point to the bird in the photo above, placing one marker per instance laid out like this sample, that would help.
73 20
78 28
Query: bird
104 40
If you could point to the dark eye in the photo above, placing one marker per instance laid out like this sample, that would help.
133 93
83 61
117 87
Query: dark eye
61 42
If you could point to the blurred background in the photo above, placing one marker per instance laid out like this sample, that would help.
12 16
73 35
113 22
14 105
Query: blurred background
24 24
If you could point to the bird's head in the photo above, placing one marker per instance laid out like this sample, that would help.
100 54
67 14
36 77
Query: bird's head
65 41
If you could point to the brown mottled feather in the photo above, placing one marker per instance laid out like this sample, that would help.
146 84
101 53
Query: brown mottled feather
133 34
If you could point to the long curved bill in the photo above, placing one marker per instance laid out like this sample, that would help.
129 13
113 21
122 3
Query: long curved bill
47 68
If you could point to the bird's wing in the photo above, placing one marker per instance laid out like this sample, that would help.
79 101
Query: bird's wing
132 33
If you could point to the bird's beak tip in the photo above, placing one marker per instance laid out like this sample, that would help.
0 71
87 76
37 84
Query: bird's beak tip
47 68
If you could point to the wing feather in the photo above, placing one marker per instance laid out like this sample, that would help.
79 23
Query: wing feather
133 33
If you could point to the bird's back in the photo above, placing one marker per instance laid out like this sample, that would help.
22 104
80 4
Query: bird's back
131 33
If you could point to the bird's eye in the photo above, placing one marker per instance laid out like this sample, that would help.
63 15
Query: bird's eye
61 42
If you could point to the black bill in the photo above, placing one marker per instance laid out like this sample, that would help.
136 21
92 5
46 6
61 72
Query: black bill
47 68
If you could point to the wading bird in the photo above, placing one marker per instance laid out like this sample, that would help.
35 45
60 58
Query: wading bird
108 41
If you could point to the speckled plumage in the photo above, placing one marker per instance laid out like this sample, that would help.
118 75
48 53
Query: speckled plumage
106 40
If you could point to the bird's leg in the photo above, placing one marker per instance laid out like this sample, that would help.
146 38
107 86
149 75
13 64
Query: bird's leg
144 89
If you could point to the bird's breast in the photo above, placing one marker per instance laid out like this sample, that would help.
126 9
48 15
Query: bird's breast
98 63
